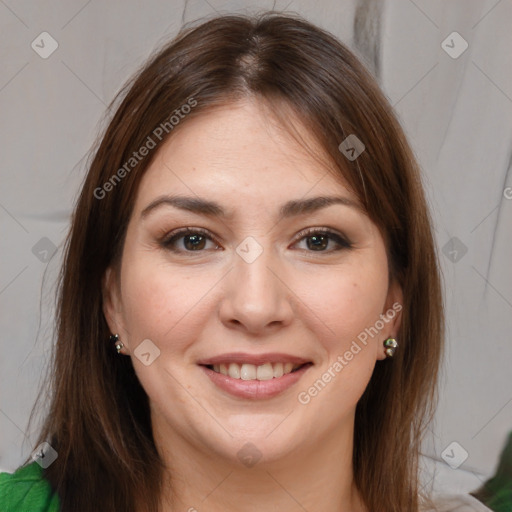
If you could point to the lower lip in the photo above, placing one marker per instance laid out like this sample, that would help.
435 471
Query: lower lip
255 389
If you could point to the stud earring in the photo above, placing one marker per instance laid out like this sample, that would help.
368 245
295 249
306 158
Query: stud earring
391 345
118 344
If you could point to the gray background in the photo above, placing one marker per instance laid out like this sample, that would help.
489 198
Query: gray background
457 113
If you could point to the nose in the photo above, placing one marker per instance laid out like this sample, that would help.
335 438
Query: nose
256 298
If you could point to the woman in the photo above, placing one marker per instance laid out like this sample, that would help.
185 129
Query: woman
250 314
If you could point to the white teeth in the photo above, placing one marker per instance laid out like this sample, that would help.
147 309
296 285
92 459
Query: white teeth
247 371
278 370
265 372
234 371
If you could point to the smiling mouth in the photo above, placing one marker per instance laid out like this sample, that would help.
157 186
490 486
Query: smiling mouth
266 371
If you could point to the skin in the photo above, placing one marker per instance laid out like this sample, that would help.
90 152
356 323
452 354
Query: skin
291 298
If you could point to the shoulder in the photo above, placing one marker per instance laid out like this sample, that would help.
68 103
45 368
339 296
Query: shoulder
456 503
27 490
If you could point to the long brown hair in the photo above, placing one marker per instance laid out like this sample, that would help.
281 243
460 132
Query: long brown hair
98 419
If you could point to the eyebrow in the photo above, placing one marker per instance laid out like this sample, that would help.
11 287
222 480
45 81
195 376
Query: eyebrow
213 209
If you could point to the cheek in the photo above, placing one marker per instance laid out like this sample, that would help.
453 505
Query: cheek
347 301
347 306
161 303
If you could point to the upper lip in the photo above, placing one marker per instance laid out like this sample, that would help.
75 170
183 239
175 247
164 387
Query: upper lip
255 359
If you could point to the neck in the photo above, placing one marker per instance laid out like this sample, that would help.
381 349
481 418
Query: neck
310 478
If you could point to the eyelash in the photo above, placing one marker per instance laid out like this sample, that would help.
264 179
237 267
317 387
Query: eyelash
171 239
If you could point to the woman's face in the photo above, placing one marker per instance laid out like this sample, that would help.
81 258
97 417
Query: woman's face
255 288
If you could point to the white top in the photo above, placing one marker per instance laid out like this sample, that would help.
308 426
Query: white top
457 503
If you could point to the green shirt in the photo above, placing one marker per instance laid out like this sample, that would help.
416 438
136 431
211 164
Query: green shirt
26 490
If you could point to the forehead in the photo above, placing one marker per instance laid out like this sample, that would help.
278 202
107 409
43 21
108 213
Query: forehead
238 153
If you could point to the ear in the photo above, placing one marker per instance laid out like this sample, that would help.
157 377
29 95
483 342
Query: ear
392 316
112 306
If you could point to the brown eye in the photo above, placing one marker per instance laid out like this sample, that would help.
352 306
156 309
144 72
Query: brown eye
188 240
318 240
194 242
